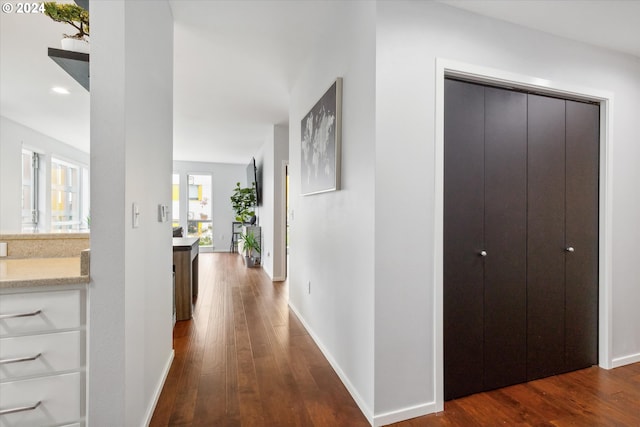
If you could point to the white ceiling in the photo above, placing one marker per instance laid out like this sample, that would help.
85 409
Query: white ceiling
612 24
235 64
236 61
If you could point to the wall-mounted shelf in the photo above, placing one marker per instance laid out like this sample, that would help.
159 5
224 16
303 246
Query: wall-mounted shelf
74 63
83 4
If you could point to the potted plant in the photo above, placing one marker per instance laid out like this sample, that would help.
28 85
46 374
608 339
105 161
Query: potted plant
243 200
250 245
75 16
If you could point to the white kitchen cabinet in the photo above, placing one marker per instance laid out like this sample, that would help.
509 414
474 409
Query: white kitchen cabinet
55 400
42 357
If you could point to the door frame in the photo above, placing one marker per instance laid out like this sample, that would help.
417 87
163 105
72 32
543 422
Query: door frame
486 75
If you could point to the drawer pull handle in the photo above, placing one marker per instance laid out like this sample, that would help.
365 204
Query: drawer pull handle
20 409
13 316
19 359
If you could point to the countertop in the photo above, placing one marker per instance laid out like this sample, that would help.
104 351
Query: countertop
184 242
45 236
33 272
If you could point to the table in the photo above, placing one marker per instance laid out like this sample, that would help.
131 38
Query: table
185 262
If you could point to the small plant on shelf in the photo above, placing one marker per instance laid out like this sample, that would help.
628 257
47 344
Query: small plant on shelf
243 201
70 14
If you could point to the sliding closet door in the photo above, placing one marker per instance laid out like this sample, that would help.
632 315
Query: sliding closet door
546 242
505 278
463 230
582 149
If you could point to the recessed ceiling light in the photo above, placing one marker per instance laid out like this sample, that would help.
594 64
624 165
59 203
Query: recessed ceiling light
60 90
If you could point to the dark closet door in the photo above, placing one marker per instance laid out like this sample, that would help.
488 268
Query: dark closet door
463 230
546 242
520 237
562 269
505 218
581 286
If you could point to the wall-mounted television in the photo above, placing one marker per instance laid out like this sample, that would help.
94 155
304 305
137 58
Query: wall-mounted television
253 175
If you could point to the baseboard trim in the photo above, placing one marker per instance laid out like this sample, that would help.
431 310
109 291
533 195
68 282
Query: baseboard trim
156 394
404 414
343 377
626 360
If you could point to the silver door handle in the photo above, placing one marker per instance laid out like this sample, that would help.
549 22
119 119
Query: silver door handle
13 316
570 249
483 253
19 359
20 409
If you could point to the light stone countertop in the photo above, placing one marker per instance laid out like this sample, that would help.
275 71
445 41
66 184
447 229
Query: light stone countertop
45 245
45 236
33 272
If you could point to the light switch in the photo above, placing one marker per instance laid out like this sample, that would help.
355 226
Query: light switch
163 213
135 216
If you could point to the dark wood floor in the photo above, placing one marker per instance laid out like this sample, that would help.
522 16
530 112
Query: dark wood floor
245 360
586 398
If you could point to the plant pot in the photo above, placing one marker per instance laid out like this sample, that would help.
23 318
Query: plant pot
249 261
75 45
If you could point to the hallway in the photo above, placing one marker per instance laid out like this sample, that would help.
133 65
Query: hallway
246 360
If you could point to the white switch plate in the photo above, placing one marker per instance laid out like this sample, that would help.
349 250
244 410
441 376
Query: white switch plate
135 211
163 213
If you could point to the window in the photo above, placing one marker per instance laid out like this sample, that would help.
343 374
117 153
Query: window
55 193
175 200
191 207
30 169
199 218
65 196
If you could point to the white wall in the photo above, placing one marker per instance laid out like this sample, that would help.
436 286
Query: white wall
332 234
13 138
410 36
271 213
130 315
223 181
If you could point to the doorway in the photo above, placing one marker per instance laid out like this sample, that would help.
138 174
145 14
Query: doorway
520 236
287 217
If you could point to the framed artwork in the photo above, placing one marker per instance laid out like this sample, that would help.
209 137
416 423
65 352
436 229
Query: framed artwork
321 138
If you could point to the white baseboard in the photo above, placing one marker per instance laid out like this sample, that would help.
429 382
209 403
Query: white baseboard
343 377
158 391
404 414
626 360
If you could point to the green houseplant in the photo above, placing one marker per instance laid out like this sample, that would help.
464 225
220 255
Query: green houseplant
250 245
243 200
75 16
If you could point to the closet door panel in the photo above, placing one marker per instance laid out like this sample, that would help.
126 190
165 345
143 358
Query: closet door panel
463 238
582 147
505 279
545 246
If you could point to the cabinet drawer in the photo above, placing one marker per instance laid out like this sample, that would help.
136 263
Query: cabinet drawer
39 311
59 398
58 352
